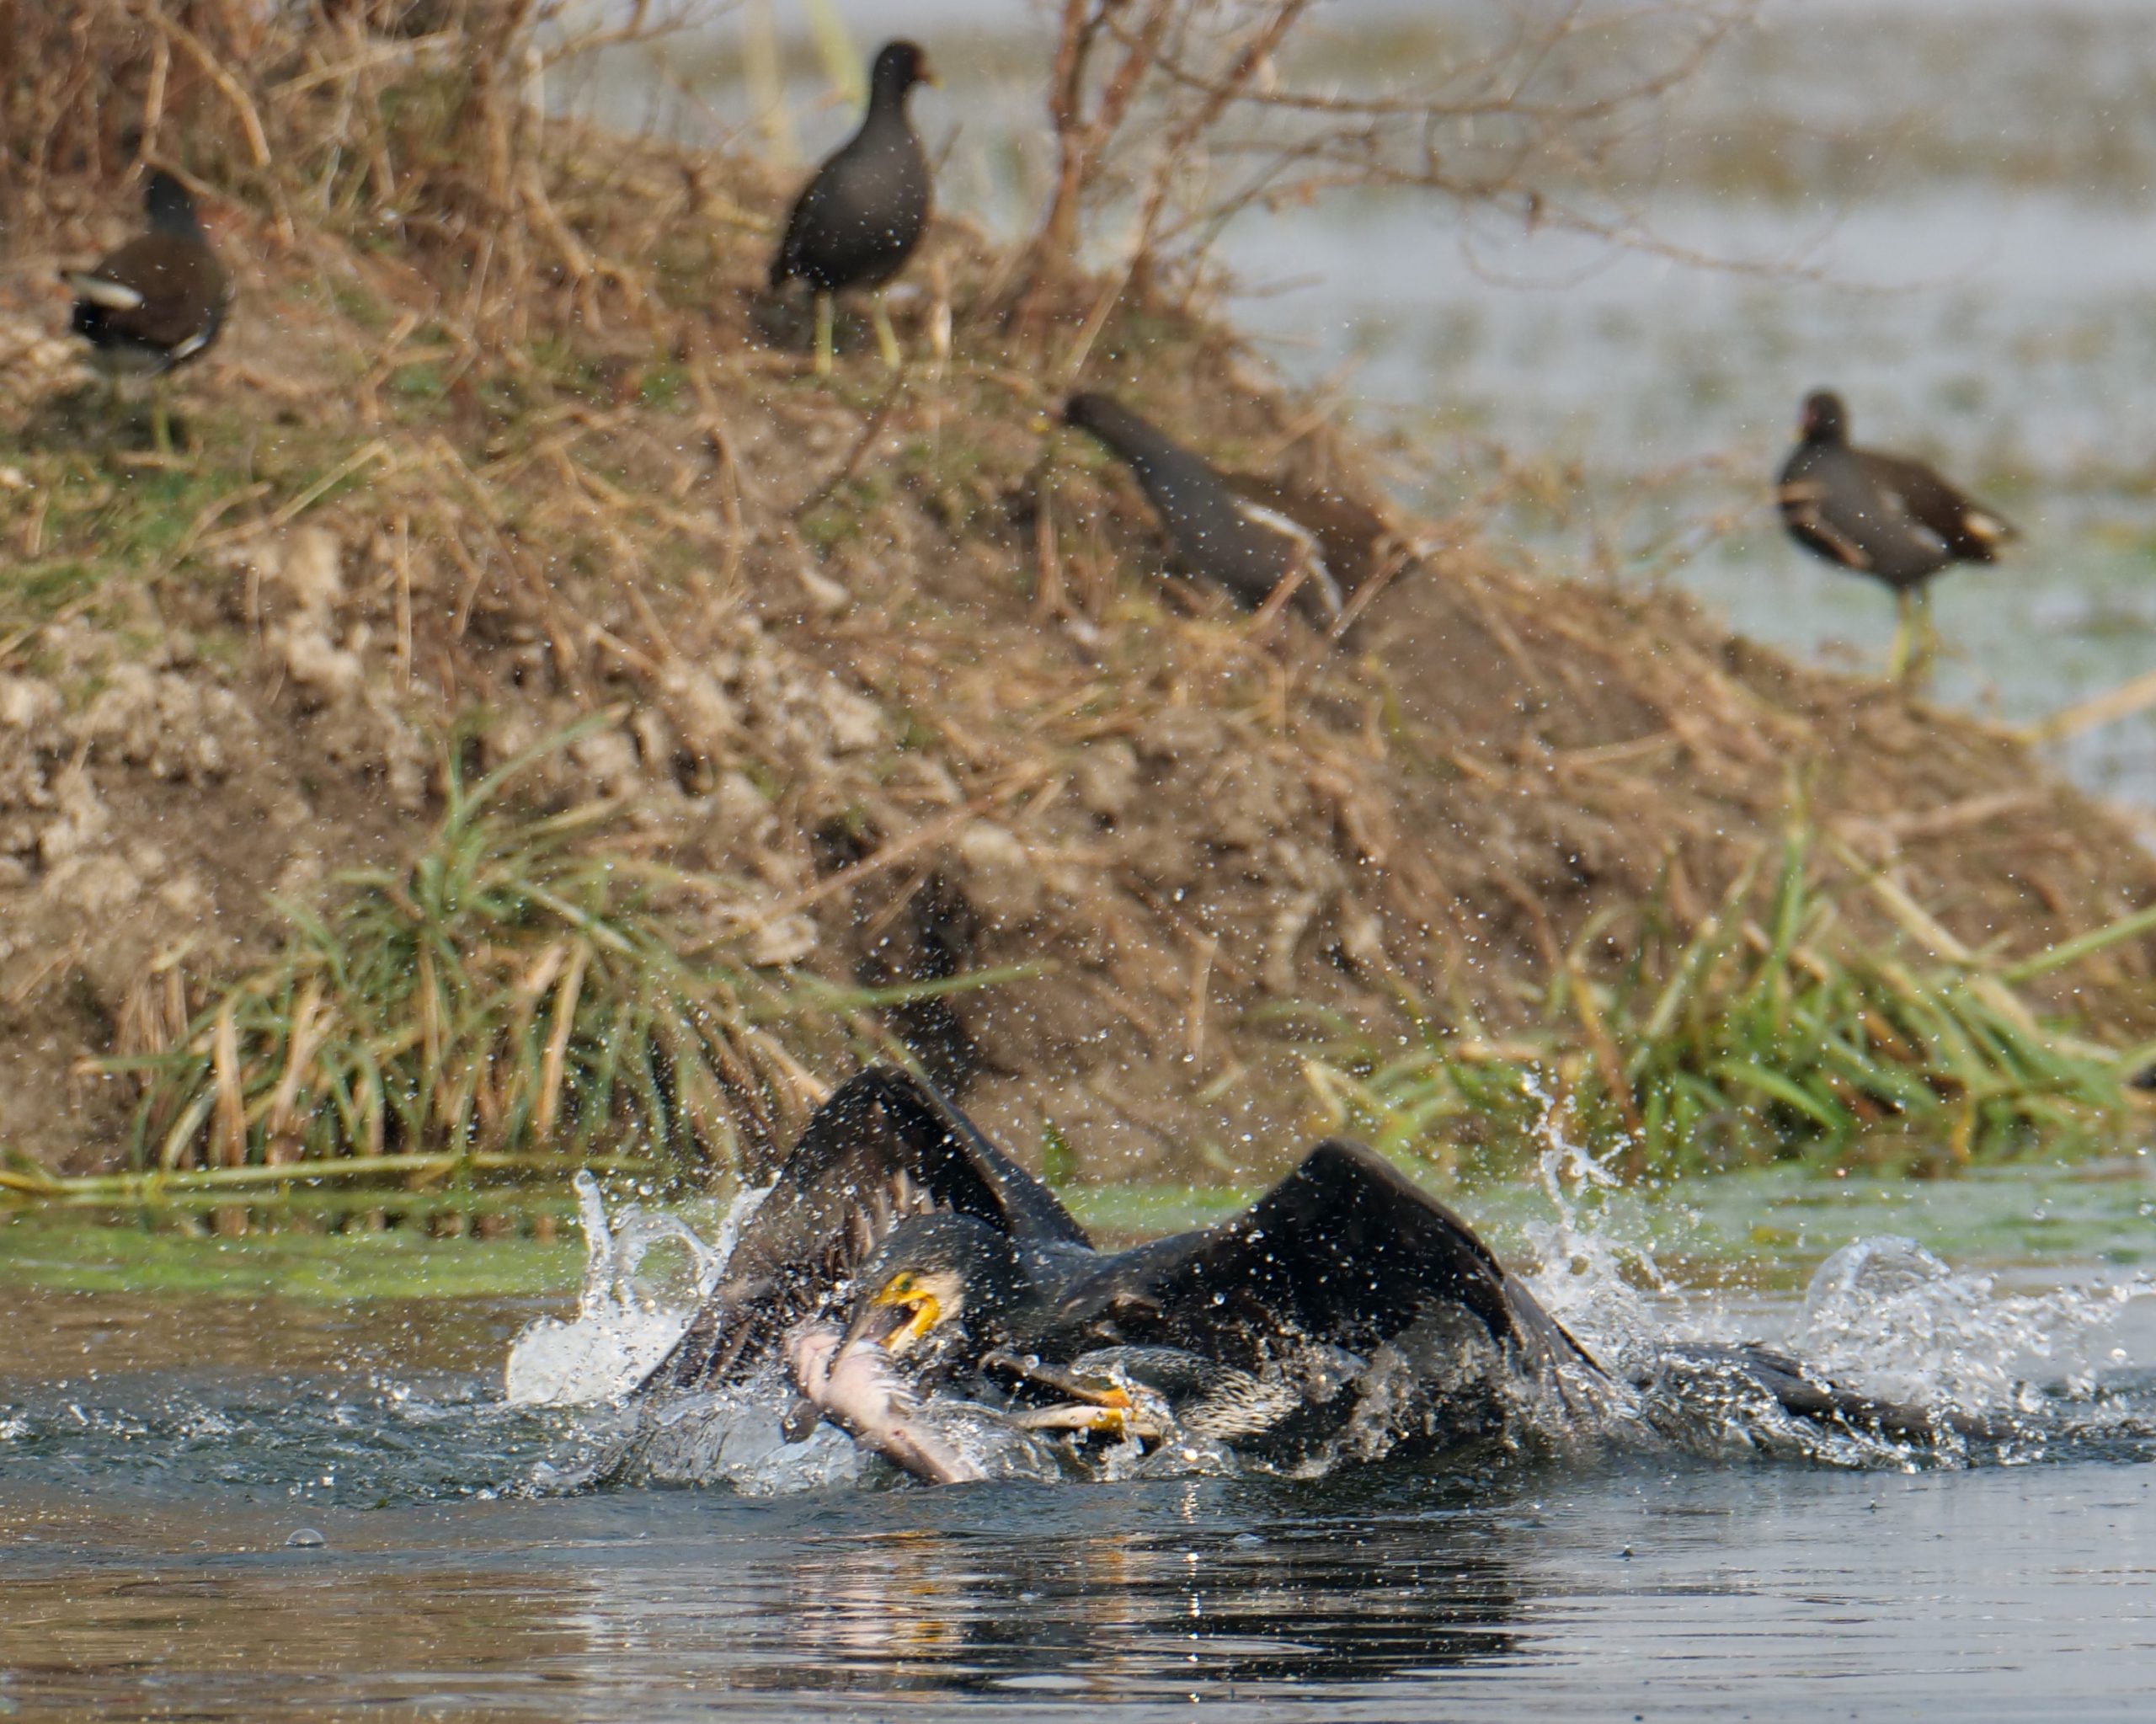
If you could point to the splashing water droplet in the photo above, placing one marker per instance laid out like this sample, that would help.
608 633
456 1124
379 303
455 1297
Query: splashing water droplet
1885 1314
622 1328
1589 1276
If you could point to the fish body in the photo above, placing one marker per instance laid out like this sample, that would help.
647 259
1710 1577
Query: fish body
857 1385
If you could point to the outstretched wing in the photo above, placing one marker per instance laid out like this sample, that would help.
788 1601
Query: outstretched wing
886 1146
1345 1252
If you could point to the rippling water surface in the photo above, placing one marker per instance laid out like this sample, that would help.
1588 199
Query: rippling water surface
169 1464
157 1584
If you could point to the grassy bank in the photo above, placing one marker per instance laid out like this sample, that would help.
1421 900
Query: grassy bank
1754 1041
535 719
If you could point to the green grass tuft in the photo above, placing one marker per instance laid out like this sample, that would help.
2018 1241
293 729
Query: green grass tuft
515 991
1755 1041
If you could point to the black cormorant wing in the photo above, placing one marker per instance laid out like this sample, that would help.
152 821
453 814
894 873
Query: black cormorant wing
886 1146
1345 1252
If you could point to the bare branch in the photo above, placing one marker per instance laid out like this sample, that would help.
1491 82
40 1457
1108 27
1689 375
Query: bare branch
1187 112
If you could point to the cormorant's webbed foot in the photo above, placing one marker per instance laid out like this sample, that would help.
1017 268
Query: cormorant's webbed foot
1100 1401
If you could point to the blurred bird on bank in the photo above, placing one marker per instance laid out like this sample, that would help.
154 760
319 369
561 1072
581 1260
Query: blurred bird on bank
860 218
1883 515
158 302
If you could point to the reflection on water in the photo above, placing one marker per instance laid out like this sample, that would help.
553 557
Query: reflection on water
1680 1594
653 1608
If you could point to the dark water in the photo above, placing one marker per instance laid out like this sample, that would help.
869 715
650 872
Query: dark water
156 1458
1753 1593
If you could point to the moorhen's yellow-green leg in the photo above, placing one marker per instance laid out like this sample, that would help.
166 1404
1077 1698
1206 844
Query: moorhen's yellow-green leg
1897 655
160 426
1927 641
826 310
117 407
886 339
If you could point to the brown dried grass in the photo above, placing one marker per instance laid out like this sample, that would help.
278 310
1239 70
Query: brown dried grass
579 477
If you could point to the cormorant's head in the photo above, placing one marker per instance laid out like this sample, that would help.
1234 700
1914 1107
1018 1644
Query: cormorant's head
931 1277
1824 420
899 66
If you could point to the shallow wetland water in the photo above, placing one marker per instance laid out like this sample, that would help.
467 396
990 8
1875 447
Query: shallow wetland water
159 1452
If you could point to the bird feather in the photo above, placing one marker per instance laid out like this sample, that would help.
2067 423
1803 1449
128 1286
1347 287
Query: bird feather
1303 540
103 292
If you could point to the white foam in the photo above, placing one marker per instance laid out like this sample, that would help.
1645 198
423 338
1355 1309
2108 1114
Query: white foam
1604 1285
1882 1316
623 1327
1886 1315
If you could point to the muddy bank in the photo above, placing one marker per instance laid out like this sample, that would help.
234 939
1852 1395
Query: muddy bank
890 671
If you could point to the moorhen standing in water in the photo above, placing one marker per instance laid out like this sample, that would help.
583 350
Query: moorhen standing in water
860 218
1883 515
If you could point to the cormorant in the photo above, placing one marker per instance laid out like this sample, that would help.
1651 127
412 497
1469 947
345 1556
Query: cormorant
1883 515
860 218
1343 1314
1246 534
156 302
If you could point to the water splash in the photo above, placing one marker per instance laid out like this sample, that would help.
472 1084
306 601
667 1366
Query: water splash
1887 1315
624 1325
1882 1316
732 1436
1595 1274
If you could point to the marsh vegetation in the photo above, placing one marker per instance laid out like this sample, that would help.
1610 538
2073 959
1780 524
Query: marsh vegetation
865 697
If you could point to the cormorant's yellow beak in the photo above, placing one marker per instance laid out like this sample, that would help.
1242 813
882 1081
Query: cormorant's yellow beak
898 1314
927 74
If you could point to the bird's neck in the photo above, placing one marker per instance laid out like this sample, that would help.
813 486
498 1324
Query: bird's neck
175 218
1144 448
887 100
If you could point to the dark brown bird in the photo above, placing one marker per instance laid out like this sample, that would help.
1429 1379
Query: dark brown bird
896 1228
159 301
858 220
1246 534
1883 515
